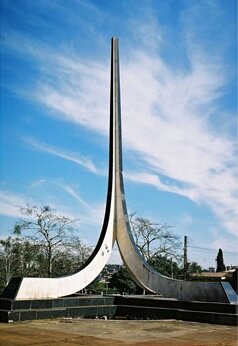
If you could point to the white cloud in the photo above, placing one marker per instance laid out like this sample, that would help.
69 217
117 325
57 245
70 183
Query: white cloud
11 204
89 215
38 182
186 220
74 194
92 215
70 156
145 178
167 118
231 247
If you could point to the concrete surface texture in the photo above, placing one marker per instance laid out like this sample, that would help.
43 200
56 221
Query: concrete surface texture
101 332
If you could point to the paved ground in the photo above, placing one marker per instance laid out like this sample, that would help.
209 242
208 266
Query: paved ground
104 333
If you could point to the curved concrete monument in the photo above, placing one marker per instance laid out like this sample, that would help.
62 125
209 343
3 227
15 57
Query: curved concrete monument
116 227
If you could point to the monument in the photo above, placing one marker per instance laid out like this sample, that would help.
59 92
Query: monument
116 227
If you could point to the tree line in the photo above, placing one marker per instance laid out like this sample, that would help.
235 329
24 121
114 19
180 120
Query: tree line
46 244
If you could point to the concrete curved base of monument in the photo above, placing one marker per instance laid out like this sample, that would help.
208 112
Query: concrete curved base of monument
154 282
116 227
45 288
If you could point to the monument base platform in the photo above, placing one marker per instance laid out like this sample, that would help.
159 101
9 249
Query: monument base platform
117 307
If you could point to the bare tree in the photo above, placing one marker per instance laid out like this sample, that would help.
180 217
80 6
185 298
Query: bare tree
79 252
47 229
153 239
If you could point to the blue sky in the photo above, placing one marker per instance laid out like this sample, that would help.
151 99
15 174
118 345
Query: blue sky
178 86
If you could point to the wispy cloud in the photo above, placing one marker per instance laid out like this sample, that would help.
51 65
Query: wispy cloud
168 116
74 194
223 243
91 216
11 204
70 156
38 182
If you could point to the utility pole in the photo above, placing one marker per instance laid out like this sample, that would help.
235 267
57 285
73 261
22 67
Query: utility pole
171 267
185 257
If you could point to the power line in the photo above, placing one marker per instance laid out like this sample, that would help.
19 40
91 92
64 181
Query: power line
212 250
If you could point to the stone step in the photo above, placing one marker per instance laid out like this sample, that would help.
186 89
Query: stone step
121 307
10 304
73 312
156 313
176 304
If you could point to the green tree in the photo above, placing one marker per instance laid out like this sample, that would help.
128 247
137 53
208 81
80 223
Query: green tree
8 258
192 268
97 287
122 281
166 266
220 262
17 257
46 229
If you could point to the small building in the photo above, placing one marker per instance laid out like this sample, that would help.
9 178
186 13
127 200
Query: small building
228 275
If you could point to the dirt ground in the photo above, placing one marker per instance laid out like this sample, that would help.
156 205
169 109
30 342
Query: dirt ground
104 333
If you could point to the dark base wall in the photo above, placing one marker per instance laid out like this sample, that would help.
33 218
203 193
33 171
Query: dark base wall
117 307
